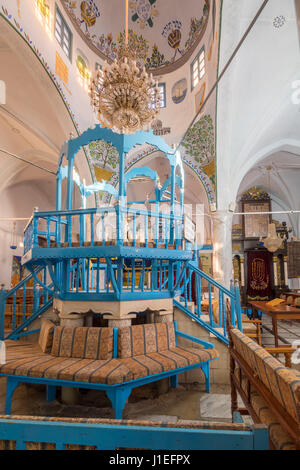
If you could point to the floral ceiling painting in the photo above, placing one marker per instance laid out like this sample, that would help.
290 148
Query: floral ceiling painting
198 150
163 33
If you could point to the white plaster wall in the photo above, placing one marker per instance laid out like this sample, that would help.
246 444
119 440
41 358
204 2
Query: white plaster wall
18 201
256 116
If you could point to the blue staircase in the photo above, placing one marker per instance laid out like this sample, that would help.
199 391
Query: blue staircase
24 303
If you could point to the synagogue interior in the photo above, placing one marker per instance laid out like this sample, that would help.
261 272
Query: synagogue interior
149 225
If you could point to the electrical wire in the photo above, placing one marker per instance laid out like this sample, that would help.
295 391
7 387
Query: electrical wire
26 161
225 68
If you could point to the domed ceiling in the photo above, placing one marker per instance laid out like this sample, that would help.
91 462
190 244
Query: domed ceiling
164 32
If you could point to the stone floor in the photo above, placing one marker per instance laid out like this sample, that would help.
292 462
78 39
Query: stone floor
288 332
187 402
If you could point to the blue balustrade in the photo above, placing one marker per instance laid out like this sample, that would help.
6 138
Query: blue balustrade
95 227
21 305
210 311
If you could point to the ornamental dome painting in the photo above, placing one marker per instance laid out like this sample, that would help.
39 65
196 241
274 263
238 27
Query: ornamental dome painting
169 30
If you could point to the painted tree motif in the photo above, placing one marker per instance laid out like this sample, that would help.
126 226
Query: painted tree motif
137 45
200 141
103 153
157 59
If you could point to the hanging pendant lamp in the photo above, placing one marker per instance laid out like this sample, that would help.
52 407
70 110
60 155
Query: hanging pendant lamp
124 96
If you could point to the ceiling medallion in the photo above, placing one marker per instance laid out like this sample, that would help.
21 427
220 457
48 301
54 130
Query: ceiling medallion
123 95
279 21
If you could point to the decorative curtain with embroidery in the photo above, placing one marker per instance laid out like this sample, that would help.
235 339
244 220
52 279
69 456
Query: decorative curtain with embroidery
259 275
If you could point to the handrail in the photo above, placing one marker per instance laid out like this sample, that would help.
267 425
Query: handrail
211 280
21 283
213 318
39 291
28 223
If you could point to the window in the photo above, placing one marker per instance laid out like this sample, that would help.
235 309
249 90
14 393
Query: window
162 94
63 33
198 68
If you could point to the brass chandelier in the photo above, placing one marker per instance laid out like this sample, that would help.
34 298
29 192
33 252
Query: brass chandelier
124 97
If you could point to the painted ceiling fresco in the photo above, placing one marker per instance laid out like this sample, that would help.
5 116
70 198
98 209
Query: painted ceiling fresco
163 33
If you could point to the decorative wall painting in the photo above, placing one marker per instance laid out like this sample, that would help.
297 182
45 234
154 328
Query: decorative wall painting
179 91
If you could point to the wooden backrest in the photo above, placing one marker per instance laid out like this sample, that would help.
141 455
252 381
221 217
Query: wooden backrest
281 382
83 342
144 339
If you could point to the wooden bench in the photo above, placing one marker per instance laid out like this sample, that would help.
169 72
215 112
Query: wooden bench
269 390
110 359
52 433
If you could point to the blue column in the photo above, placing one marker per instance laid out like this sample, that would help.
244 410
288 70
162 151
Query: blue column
58 191
2 311
69 204
121 200
173 196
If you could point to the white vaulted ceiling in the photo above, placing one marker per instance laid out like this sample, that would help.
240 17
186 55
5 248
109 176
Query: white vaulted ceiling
257 121
34 122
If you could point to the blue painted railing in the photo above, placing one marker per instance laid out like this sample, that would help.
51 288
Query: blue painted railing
210 311
24 303
105 279
101 227
63 435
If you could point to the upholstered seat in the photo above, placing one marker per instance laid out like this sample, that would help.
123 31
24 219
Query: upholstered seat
157 362
278 435
45 366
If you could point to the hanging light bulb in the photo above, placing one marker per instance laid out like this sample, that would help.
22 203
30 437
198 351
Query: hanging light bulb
13 242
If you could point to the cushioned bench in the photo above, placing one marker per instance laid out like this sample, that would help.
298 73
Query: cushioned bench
110 359
270 391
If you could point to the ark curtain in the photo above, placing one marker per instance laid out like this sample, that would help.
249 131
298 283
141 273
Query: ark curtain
259 275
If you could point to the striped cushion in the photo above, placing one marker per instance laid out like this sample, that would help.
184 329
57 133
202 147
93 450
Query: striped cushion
46 336
109 372
279 437
83 342
157 362
144 339
283 383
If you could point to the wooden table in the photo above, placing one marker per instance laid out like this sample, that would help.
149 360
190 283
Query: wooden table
280 312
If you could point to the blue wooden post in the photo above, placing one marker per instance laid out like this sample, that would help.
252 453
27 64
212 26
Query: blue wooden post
35 228
2 311
69 204
238 306
121 198
232 305
58 190
173 197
